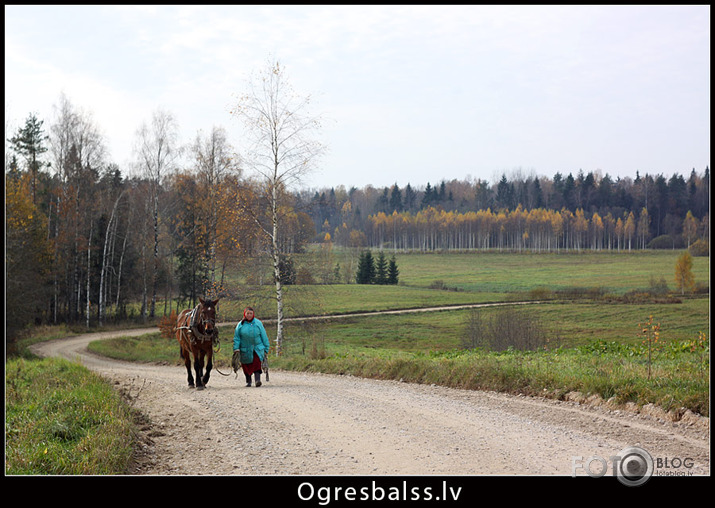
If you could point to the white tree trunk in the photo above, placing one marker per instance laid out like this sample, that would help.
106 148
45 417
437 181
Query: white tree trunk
277 276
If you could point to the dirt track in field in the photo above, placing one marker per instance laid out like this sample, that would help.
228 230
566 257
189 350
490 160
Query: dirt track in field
313 424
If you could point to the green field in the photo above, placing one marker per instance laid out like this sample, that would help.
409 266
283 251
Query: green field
494 272
474 278
569 324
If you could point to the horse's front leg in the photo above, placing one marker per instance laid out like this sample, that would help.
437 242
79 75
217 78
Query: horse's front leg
199 369
209 366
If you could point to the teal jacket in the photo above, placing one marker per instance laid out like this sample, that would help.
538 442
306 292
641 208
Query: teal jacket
250 337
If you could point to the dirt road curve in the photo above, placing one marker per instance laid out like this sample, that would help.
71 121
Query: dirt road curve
307 424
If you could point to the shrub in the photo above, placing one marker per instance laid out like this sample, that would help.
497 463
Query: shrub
662 242
505 329
304 276
167 324
541 293
700 248
440 285
658 287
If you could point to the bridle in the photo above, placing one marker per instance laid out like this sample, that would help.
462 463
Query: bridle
213 335
205 321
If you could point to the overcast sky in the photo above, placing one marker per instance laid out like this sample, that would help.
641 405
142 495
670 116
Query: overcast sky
411 94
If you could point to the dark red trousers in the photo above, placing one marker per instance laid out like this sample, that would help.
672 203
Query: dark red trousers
250 368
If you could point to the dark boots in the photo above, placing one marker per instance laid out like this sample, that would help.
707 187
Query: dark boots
257 375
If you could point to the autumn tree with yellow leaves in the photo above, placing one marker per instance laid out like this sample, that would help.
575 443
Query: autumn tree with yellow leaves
28 256
536 230
684 278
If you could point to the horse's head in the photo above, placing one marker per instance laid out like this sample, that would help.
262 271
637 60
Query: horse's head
208 315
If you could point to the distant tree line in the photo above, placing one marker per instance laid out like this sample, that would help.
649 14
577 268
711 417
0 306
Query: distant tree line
589 211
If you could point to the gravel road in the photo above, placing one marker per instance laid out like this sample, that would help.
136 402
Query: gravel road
312 424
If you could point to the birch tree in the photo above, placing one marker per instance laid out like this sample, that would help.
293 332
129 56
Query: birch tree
107 251
684 277
281 149
215 161
157 151
78 151
690 228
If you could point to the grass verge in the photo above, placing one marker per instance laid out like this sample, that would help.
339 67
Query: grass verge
678 382
62 419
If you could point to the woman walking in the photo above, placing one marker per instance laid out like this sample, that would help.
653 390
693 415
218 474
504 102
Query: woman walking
251 341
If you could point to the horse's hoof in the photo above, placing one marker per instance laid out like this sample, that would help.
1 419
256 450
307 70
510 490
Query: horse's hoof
192 386
199 387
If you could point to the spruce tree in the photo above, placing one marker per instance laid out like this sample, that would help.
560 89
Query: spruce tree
428 196
29 142
395 199
381 269
366 268
392 272
287 271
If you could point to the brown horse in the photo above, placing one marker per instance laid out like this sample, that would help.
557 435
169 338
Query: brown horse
197 333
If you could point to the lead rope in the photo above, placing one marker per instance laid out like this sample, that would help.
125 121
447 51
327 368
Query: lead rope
217 348
264 367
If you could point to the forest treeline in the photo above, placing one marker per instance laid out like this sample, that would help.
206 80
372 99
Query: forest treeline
586 211
89 242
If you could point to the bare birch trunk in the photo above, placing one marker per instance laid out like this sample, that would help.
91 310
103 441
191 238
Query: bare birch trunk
277 271
102 275
89 269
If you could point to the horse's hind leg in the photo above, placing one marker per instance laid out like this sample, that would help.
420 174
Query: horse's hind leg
187 363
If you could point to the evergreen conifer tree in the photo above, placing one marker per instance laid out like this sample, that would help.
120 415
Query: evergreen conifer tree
29 142
381 269
366 268
392 272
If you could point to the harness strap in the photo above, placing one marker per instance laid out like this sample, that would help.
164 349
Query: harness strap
192 316
185 340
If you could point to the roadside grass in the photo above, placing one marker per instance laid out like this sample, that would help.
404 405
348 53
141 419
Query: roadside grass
62 419
678 384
